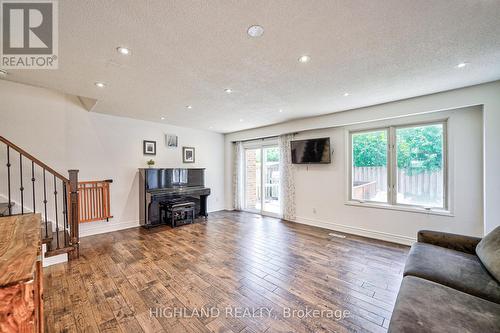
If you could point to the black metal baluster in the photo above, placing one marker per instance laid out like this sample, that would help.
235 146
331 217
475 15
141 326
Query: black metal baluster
33 184
21 183
8 179
45 205
65 212
55 205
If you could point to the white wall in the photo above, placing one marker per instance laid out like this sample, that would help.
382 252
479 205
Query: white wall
485 95
56 129
321 190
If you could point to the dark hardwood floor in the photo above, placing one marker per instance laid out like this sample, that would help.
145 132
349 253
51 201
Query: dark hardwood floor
256 271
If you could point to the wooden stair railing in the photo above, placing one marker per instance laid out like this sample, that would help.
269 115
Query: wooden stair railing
94 201
59 209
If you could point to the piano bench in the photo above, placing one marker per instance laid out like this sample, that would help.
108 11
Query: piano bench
179 213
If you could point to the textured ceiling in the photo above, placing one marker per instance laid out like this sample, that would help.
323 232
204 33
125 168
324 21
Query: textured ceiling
187 52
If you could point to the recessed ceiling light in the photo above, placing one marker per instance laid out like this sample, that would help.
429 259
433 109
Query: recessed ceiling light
210 127
255 31
189 106
123 50
162 118
305 58
241 120
100 84
228 91
3 72
346 94
280 110
462 64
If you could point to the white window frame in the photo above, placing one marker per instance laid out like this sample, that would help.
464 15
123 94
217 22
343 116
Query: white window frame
392 174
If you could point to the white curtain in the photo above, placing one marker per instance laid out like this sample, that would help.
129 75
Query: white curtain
287 178
238 175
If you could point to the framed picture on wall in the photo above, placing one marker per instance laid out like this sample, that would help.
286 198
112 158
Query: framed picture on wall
188 154
171 140
149 147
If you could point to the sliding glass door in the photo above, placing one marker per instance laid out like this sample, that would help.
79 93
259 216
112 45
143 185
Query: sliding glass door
262 180
253 172
271 180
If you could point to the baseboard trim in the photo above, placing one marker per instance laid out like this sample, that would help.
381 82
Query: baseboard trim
105 227
59 259
399 239
216 210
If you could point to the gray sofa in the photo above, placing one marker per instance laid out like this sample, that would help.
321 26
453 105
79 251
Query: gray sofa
450 284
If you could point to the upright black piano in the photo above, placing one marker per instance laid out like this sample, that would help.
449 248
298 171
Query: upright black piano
161 185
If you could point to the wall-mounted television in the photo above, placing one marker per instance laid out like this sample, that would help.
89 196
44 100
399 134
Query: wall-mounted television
311 151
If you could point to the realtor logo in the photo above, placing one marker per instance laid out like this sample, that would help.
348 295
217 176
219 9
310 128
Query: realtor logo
29 34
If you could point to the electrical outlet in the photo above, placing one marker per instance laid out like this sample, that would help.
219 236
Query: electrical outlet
314 210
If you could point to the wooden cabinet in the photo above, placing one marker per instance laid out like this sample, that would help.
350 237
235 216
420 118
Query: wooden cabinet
21 305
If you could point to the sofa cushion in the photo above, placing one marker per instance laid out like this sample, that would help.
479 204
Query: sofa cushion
455 269
488 251
423 306
455 242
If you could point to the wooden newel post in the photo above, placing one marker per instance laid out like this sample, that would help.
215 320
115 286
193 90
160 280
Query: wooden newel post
74 218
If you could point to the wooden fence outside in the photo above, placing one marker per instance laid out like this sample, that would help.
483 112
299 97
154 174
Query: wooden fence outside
427 183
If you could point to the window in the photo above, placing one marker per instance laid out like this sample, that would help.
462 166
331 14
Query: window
369 166
400 166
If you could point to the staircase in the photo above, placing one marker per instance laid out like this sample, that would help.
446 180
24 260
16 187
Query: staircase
29 186
4 208
57 242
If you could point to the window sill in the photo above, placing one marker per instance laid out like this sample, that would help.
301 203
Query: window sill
410 209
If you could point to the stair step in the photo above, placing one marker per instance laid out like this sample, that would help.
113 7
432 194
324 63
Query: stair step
4 208
52 249
47 233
